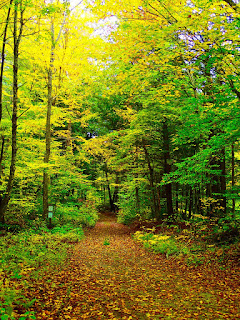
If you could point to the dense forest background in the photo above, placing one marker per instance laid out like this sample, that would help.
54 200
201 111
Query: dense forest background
128 107
124 110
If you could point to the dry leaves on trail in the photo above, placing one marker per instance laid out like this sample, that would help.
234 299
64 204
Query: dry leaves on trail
110 276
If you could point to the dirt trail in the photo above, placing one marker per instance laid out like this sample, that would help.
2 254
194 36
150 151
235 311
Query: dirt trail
110 276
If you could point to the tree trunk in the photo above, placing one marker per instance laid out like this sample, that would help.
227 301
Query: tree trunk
223 201
177 202
138 208
109 193
46 178
16 38
186 205
2 210
190 203
167 167
208 196
1 159
69 135
154 206
218 186
3 57
115 194
233 180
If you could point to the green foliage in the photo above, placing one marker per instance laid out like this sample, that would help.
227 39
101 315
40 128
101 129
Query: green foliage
106 242
6 313
37 226
24 253
195 260
161 243
68 233
226 230
31 249
78 215
130 207
127 216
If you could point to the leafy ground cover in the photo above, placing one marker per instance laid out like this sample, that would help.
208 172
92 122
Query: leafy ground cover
24 257
111 276
198 242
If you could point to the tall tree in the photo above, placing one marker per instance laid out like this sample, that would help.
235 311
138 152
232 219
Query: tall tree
54 41
17 35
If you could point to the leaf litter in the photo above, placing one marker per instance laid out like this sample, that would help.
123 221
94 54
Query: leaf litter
123 280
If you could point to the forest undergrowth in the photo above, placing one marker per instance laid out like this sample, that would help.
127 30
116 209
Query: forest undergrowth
110 275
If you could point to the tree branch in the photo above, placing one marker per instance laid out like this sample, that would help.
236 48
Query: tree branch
233 5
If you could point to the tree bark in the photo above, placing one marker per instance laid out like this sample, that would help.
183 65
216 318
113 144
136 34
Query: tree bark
3 56
167 166
233 5
233 180
16 38
177 201
138 208
69 135
190 203
1 100
223 201
186 204
217 189
151 180
115 194
46 177
109 193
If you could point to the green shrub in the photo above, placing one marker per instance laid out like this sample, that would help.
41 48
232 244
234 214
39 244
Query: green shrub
85 215
226 230
160 243
126 216
132 207
37 226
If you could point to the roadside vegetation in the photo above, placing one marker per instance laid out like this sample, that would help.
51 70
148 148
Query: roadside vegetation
195 242
31 251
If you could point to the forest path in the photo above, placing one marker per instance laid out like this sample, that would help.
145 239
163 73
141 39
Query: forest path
110 276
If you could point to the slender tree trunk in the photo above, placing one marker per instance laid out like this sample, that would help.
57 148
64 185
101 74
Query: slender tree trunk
223 187
138 208
181 202
16 38
46 178
167 166
151 180
190 203
1 165
109 193
186 205
233 180
115 194
69 135
177 202
159 208
208 195
3 56
197 200
1 100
